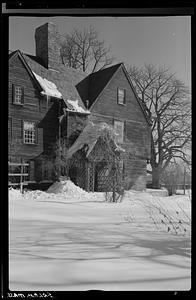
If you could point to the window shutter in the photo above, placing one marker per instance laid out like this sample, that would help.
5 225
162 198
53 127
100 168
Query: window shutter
124 96
13 92
36 133
22 130
22 98
125 132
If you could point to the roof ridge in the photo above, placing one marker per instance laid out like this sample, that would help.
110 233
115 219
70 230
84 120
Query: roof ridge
106 68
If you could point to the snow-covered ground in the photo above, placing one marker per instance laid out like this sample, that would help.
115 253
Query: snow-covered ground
68 239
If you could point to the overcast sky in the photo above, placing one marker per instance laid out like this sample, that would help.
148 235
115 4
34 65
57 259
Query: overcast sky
133 40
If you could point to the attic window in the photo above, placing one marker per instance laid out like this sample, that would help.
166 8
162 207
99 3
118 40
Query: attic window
121 96
18 94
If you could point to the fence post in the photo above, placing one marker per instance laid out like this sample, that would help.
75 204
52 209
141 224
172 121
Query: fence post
21 182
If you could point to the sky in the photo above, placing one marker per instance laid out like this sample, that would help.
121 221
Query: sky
133 40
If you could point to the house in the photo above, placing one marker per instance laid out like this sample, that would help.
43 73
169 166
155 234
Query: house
48 101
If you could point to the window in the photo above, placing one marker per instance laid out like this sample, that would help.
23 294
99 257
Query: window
29 132
121 96
18 93
119 129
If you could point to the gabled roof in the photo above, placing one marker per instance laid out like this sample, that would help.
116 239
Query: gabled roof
90 136
65 79
18 53
73 84
93 84
11 53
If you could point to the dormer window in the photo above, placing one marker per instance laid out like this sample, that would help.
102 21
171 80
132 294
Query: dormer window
18 94
121 96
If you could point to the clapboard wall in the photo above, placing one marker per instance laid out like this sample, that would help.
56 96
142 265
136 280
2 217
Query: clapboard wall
36 108
136 128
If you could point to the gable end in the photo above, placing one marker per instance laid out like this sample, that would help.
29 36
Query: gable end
19 54
132 88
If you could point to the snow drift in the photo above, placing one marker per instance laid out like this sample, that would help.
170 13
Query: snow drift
68 239
170 214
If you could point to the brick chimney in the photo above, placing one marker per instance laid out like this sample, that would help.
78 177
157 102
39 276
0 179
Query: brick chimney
47 42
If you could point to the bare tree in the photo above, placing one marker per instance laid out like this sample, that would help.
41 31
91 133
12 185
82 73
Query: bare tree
176 177
171 178
83 50
167 103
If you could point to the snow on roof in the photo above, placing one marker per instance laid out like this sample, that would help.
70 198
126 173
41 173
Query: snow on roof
76 107
90 135
49 88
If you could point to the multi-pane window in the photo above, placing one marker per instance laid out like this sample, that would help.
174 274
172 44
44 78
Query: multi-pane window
119 130
17 94
29 132
121 96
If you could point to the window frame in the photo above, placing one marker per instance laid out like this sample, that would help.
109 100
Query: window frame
34 131
123 132
119 89
21 88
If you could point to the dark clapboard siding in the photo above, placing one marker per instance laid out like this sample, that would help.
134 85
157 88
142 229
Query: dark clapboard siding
106 104
34 109
105 109
136 133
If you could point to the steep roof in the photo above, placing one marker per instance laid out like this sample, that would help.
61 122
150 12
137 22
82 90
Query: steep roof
73 84
93 84
65 79
11 53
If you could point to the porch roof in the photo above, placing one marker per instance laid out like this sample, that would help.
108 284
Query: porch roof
89 138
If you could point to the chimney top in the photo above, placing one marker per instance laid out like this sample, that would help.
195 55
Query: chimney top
47 41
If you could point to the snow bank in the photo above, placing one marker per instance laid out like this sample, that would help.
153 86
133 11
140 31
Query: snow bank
171 214
49 87
63 191
157 192
76 107
68 188
15 194
63 239
71 192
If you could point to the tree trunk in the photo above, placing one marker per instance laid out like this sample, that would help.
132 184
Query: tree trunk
156 178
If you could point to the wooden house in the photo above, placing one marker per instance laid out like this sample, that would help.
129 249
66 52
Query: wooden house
48 101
